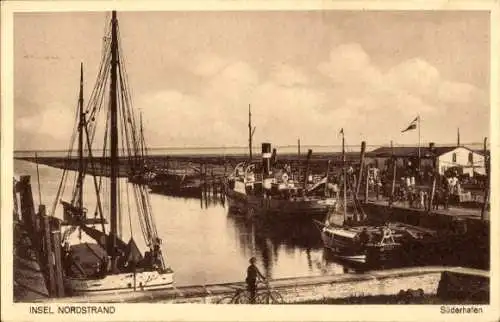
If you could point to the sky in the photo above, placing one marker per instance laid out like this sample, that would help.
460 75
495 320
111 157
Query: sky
306 75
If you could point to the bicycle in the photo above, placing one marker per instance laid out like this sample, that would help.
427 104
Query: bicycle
268 296
242 296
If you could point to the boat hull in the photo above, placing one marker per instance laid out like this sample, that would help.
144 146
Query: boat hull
370 254
122 282
294 207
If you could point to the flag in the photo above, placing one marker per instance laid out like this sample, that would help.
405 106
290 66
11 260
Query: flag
412 126
341 131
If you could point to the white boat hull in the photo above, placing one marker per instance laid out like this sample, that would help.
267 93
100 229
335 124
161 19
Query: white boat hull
122 282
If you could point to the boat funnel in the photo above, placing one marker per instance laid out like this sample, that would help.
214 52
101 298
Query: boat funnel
266 158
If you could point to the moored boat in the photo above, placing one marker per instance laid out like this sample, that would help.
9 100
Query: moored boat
273 192
105 262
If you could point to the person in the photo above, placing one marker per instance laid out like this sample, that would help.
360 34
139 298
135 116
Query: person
364 237
253 274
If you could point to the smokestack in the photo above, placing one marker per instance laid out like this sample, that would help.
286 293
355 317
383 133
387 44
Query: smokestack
274 157
266 158
431 146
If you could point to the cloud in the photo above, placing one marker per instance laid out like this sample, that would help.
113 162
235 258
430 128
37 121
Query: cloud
53 121
286 75
347 90
207 64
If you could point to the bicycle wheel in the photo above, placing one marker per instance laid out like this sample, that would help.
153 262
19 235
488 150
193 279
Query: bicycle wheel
276 297
242 298
272 297
226 300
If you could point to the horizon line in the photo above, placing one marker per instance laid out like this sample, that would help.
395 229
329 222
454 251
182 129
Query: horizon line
423 144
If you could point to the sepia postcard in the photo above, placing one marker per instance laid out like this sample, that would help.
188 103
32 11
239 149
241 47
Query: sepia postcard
250 160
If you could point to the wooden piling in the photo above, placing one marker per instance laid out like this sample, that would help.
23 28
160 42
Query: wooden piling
393 186
433 190
326 176
306 175
27 205
16 213
366 182
49 264
487 183
56 240
361 165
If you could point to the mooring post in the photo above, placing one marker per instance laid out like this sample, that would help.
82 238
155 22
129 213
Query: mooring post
309 154
393 185
367 182
27 205
326 176
433 190
49 265
487 181
361 165
56 240
16 213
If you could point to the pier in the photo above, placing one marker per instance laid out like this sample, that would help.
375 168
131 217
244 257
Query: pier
434 281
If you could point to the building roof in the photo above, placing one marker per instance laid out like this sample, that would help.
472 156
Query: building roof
410 151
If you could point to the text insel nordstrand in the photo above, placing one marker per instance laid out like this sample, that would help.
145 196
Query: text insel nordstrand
72 309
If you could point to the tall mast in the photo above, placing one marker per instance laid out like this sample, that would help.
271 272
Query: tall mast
81 125
345 176
142 138
250 133
113 136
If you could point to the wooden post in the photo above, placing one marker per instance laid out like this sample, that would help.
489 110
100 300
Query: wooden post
56 239
327 172
251 131
433 190
393 186
366 184
48 251
17 215
487 183
27 205
361 165
309 154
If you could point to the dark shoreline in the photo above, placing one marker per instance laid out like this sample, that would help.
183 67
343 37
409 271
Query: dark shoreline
215 163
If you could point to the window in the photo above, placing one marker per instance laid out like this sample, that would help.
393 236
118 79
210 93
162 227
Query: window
454 157
471 157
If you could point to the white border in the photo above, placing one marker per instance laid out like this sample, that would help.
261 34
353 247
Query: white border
156 312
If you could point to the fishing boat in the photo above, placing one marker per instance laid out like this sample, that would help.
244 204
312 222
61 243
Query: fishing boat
351 237
99 260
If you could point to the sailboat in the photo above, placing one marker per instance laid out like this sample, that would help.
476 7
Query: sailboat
141 172
352 240
107 263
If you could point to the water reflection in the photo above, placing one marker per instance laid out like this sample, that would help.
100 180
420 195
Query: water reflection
204 243
276 242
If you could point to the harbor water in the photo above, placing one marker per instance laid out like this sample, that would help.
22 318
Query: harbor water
203 242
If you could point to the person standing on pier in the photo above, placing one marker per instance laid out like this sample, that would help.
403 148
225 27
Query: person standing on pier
253 274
